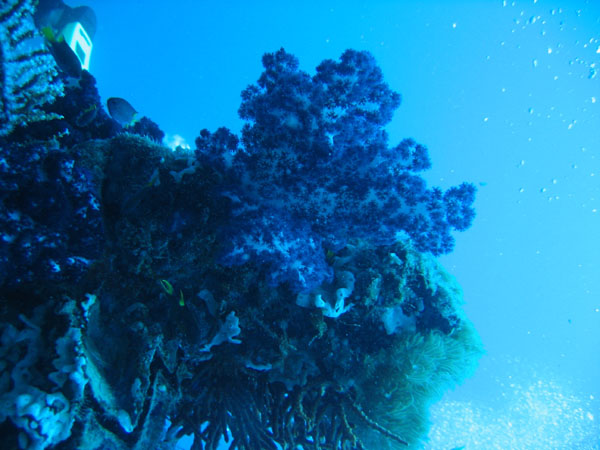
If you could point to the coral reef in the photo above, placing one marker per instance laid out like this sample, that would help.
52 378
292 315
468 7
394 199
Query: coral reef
150 294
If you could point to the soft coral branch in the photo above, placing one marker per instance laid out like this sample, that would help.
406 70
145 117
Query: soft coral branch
316 170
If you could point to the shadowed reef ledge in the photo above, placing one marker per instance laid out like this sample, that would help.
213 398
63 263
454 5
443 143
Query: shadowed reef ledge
156 339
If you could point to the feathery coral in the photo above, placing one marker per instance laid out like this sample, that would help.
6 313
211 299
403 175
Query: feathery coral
28 75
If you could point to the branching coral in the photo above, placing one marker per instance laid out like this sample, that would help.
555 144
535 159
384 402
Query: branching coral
28 76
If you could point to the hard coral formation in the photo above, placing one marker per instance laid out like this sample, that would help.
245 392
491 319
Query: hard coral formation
150 294
316 170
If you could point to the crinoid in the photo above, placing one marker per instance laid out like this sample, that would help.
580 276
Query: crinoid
249 413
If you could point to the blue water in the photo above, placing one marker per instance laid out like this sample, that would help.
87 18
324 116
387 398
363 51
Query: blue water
505 95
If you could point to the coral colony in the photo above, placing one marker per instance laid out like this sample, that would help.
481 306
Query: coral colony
273 290
315 171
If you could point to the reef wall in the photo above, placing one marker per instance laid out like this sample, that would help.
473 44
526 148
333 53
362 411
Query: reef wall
278 289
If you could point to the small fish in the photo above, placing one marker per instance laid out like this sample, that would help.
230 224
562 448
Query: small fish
154 179
120 110
48 33
87 116
66 59
168 287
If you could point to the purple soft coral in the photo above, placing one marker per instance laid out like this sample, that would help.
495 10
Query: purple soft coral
315 163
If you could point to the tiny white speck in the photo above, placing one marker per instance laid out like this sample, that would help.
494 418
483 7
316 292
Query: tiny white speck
485 119
549 50
454 25
593 99
534 63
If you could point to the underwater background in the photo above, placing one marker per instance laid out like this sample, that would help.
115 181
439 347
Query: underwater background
239 283
504 94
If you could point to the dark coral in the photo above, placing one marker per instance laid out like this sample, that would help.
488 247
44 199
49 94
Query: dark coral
28 74
50 215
